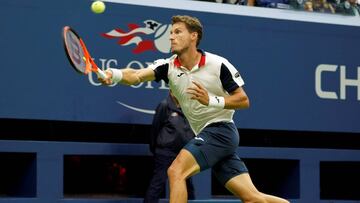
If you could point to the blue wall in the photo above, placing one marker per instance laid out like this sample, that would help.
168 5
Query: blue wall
301 184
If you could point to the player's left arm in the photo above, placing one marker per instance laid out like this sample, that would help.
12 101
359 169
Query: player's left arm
237 99
231 82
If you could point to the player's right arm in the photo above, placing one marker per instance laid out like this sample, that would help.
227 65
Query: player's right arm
128 76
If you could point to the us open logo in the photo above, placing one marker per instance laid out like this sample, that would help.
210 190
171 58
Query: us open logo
152 36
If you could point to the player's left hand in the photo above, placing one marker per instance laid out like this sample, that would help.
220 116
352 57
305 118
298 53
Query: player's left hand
199 93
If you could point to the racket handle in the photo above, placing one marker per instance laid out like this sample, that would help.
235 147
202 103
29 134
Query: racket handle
100 73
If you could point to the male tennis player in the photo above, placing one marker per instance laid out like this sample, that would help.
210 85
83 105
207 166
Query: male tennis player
209 89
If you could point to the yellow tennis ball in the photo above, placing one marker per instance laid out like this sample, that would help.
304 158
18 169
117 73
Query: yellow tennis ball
98 7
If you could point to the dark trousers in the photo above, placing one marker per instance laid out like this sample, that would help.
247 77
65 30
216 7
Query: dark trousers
158 181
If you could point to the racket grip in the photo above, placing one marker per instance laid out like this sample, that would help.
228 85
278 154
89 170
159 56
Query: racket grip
100 73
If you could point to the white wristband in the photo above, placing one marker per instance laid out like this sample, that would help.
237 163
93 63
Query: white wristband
117 75
215 101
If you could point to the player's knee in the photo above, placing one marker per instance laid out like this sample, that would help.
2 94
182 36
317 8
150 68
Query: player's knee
173 172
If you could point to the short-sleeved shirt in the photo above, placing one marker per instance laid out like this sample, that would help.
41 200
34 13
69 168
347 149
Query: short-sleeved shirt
215 73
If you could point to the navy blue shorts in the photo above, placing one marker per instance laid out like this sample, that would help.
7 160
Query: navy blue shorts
215 147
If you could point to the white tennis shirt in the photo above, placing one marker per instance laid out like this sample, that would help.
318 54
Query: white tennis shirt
217 75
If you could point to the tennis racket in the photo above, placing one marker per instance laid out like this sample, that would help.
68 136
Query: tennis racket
78 55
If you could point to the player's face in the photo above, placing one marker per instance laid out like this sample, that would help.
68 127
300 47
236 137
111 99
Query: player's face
180 38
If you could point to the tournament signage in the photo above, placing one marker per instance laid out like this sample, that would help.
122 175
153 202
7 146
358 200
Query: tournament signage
299 74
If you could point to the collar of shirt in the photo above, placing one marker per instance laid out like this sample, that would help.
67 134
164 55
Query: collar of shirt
201 62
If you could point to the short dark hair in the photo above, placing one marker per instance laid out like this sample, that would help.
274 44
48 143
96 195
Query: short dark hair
192 24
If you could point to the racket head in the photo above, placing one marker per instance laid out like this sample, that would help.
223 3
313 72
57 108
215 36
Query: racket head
74 50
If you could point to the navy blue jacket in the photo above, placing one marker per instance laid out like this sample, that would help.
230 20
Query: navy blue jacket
170 129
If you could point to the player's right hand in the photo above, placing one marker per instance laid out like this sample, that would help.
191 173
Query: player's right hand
108 80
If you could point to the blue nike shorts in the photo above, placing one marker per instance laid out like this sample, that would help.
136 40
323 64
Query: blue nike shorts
215 147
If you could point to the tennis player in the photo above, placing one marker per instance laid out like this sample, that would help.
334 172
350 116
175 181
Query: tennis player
209 89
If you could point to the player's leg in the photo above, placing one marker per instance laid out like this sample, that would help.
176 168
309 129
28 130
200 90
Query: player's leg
182 167
242 186
233 174
215 142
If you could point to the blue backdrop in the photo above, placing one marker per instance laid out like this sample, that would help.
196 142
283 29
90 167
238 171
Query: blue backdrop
298 75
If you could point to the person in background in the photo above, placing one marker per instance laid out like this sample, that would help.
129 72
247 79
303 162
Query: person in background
308 6
322 6
348 7
170 132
